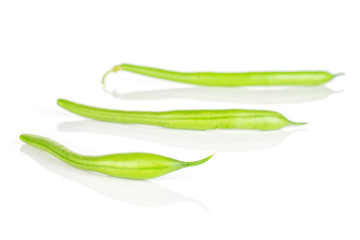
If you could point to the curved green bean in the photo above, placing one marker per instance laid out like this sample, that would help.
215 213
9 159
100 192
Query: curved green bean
305 78
186 119
124 165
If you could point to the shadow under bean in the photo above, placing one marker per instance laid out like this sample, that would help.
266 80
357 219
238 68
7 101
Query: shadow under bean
210 140
241 95
135 192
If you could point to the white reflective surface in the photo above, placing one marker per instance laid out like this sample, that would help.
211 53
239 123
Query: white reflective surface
296 183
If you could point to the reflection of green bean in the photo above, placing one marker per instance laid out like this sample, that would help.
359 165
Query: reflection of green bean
307 78
186 119
124 165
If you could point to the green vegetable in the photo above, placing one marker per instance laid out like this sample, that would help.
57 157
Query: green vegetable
186 119
306 78
124 165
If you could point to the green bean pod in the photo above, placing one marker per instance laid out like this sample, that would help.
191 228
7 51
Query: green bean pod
304 78
123 165
186 119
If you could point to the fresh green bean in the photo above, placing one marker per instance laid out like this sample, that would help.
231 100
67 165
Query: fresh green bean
305 78
186 119
124 165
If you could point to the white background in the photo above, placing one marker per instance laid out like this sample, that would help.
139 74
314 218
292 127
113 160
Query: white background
296 183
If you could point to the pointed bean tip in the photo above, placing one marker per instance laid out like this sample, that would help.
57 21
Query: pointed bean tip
201 161
297 123
206 159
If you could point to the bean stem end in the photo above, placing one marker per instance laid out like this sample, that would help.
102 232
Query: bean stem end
114 69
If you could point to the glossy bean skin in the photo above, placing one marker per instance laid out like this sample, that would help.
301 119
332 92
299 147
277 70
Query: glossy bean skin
303 78
123 165
186 119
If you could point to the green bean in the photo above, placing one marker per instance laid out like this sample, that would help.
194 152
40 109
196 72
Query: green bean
305 78
186 119
125 165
